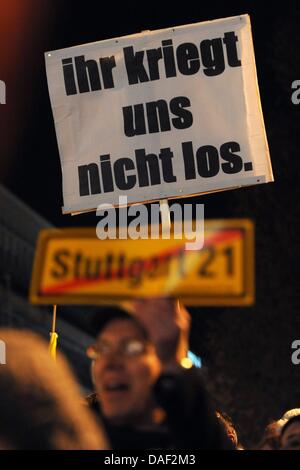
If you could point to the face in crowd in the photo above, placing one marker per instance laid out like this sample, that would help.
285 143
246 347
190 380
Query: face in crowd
125 367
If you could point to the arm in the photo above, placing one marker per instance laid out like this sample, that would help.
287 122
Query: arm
180 392
168 326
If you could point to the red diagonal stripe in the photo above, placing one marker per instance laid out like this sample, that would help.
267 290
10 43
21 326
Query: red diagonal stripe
216 238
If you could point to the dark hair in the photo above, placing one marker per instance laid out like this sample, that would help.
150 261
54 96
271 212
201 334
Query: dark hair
104 315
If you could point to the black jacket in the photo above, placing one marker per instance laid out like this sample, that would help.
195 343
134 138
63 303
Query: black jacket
190 423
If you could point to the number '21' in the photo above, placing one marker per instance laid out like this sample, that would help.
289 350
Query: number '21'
210 254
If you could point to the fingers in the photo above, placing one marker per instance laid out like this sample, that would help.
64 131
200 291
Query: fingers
167 323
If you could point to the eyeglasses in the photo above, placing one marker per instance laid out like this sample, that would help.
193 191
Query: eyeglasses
128 348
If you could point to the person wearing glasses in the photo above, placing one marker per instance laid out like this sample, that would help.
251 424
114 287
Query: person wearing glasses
147 393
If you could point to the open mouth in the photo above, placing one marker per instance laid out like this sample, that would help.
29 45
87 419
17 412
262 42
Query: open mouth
116 386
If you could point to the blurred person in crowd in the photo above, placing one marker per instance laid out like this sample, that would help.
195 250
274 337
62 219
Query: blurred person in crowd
290 432
39 400
145 397
286 416
270 439
229 428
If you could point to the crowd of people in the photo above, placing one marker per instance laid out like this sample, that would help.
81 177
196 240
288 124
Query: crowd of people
147 395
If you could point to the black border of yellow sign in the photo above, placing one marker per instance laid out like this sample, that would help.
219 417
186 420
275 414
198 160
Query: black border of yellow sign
246 226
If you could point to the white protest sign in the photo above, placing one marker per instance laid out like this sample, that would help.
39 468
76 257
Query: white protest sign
161 114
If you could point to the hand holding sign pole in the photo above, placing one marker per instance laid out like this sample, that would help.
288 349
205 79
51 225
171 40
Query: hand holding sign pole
167 323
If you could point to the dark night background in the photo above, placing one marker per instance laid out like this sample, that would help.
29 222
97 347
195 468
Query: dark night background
246 351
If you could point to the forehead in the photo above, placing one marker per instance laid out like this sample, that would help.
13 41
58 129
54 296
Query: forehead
121 328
